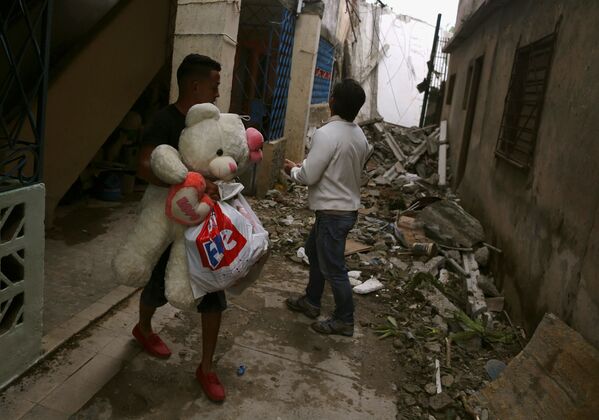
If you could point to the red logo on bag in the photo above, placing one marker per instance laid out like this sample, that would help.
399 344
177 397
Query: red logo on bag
219 242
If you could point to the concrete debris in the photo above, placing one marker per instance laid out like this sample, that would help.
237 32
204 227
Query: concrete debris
433 265
476 298
482 256
449 224
488 287
439 301
425 257
447 380
440 401
443 276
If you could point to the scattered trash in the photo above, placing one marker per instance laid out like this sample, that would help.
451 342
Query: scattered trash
301 253
426 262
429 249
354 277
241 370
494 368
438 376
371 285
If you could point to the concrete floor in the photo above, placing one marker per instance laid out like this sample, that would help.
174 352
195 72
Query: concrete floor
292 372
79 248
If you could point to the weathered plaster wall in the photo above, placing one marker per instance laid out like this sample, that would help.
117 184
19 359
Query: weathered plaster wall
466 8
546 219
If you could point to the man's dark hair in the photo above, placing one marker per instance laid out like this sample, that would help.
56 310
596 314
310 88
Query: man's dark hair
348 99
196 66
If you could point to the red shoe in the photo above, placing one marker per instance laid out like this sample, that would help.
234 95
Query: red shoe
152 344
212 387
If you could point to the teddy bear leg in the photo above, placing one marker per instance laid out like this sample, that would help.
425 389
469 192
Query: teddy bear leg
151 235
177 287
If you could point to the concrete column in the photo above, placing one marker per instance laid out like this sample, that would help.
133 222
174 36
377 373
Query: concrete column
303 62
207 27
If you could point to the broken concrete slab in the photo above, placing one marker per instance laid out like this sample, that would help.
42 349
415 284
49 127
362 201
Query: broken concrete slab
433 265
447 223
556 376
482 256
438 300
440 401
476 298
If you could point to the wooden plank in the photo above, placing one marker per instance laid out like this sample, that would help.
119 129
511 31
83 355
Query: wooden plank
354 247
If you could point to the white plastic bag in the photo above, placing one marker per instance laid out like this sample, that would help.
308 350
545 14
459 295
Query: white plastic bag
223 249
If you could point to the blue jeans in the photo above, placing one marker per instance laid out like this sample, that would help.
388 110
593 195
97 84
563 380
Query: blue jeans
325 249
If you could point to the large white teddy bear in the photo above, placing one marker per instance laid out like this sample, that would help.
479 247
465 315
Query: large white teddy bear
212 144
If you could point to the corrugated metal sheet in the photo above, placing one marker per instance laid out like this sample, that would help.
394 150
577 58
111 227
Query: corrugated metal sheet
323 73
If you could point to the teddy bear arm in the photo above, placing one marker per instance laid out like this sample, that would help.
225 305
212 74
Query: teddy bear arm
177 287
166 164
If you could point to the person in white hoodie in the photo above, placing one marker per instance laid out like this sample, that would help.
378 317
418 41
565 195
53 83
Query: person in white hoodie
332 171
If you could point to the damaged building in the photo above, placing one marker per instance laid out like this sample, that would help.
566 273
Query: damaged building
519 107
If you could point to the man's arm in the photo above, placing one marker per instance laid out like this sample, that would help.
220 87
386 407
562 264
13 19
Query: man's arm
316 162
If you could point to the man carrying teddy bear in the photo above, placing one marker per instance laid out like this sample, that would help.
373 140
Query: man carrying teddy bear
198 78
332 171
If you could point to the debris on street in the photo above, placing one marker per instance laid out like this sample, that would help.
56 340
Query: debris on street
426 259
554 363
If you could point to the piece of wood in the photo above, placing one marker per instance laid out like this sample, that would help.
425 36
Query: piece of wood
556 376
495 304
476 298
354 247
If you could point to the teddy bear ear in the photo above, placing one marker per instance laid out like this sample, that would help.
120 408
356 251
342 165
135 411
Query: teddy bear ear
201 112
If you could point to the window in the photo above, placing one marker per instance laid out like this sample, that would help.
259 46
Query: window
450 88
524 102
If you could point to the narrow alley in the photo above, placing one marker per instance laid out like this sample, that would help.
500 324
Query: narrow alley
181 179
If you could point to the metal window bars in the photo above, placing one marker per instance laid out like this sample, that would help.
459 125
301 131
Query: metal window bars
524 102
25 40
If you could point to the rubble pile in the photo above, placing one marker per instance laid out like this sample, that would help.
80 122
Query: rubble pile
417 251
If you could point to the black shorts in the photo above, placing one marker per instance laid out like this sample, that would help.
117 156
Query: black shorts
153 294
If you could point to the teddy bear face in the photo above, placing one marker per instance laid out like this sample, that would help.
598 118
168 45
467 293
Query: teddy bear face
214 144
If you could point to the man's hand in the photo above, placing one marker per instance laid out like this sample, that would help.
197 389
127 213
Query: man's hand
288 165
212 190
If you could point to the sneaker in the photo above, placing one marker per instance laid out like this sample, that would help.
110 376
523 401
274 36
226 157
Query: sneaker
212 387
152 344
301 304
333 326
